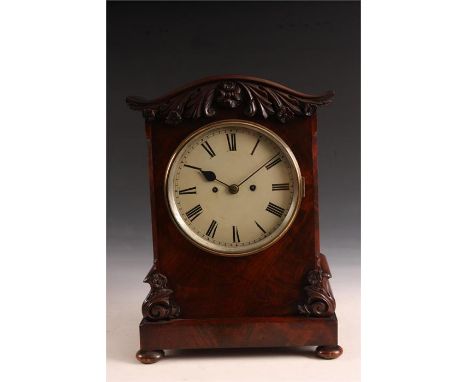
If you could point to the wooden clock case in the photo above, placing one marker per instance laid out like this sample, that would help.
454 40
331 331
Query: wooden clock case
279 297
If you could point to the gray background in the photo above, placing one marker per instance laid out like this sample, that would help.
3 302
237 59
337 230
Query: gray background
308 46
155 47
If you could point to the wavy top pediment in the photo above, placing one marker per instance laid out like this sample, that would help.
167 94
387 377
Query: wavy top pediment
202 98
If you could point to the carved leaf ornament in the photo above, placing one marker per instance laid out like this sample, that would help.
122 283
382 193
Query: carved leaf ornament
319 297
257 98
158 304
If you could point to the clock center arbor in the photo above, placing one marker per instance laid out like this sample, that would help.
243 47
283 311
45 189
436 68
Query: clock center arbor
234 203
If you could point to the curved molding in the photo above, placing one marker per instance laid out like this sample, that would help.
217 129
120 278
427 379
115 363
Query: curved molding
256 96
158 305
320 301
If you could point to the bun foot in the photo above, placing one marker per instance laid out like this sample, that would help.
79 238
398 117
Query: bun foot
329 351
148 356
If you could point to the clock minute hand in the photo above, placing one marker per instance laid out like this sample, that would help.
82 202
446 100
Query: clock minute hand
263 165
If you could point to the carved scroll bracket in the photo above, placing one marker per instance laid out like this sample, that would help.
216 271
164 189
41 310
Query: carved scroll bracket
257 97
320 301
159 305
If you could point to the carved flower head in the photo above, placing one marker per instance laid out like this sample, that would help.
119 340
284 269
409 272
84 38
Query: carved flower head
315 278
229 94
173 117
309 109
284 114
149 114
155 279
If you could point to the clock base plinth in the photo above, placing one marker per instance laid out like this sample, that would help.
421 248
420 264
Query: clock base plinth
329 351
149 356
245 332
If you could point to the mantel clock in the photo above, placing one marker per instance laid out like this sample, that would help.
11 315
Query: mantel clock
234 204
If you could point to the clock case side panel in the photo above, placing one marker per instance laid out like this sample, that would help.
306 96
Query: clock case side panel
151 165
318 300
159 303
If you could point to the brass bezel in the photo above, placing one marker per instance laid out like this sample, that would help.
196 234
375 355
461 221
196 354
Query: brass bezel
207 245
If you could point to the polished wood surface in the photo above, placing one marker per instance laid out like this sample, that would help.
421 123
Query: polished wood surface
149 356
238 332
329 351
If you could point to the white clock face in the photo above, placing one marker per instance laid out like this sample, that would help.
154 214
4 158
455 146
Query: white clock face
233 187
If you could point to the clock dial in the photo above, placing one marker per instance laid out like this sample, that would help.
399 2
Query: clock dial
233 187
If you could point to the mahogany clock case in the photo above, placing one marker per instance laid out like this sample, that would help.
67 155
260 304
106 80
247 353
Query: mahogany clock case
156 46
278 297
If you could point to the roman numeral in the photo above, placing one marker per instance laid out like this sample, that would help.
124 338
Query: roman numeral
280 186
235 235
212 229
191 190
231 138
271 164
208 149
259 226
274 209
194 213
255 147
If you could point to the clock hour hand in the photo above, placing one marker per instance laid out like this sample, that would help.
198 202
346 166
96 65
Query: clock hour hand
210 176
